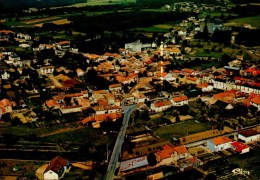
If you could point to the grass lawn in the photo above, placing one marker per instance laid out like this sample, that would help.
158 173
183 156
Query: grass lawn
214 14
181 129
253 21
89 134
14 23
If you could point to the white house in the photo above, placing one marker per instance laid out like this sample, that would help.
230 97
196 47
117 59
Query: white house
5 75
219 143
249 135
56 168
24 36
46 70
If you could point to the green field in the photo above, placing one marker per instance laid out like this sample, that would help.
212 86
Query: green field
213 14
253 21
160 28
180 129
89 134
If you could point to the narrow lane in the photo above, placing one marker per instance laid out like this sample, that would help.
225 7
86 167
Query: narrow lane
110 174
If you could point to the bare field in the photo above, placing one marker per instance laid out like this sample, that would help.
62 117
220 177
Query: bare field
32 21
61 21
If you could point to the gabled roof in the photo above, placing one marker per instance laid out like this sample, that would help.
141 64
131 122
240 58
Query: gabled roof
180 149
221 140
165 153
57 164
227 96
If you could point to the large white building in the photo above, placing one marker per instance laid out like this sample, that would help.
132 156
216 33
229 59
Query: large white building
249 135
137 46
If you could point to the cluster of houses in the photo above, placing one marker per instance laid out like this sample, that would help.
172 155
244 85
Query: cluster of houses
138 66
183 157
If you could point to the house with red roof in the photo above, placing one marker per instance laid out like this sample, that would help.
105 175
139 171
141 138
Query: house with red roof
180 101
256 102
249 135
219 143
205 87
240 147
160 106
170 154
5 106
56 168
115 87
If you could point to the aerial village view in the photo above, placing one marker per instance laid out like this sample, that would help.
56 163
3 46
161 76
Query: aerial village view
129 89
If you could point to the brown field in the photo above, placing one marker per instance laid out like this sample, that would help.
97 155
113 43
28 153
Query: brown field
32 21
61 21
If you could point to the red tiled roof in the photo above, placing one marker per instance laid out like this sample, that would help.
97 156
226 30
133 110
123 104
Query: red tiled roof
179 99
221 140
166 153
202 85
187 70
6 31
57 164
192 78
227 96
64 42
162 103
256 100
180 149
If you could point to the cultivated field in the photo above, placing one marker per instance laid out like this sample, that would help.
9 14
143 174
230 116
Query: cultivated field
101 2
57 22
34 21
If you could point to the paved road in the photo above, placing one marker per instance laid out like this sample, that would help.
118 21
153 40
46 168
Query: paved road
110 174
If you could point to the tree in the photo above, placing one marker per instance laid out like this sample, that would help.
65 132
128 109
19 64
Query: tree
151 158
145 115
225 60
205 32
177 118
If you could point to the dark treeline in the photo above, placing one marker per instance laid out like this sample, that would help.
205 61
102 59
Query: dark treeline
19 4
248 37
123 21
248 10
243 1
